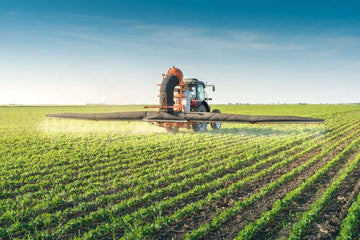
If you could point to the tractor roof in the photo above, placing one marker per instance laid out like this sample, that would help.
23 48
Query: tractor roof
193 81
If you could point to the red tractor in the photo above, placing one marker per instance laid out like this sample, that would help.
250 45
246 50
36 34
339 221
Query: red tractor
178 94
183 103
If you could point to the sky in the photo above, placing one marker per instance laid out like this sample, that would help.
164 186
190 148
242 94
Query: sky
114 52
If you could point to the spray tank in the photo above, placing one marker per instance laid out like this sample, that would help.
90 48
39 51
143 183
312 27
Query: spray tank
174 77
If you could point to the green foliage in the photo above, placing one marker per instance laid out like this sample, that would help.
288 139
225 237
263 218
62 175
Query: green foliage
92 180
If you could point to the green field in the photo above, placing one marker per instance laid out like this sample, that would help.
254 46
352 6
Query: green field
65 179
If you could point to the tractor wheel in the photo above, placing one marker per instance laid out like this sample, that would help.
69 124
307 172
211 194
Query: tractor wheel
216 125
172 129
199 127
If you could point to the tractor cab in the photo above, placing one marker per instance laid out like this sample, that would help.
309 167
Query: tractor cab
198 95
196 89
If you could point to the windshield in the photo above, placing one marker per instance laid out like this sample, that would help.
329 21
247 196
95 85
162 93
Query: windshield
200 92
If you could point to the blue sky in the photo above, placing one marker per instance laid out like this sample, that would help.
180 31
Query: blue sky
114 52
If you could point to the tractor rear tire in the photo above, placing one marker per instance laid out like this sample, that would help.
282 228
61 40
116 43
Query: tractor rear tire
199 127
216 125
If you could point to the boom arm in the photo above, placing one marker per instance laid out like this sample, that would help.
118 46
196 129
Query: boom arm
152 116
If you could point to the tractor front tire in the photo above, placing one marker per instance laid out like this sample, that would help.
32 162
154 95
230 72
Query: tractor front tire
216 125
199 127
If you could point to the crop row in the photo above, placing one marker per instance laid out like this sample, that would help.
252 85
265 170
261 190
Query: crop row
230 212
170 167
101 185
86 169
267 216
171 188
350 226
98 153
50 202
308 216
161 221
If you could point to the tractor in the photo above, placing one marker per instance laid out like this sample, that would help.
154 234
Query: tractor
184 104
178 94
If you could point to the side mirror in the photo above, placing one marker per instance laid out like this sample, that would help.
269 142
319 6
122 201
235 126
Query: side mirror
213 88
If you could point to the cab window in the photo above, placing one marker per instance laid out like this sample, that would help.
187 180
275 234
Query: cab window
200 92
192 90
